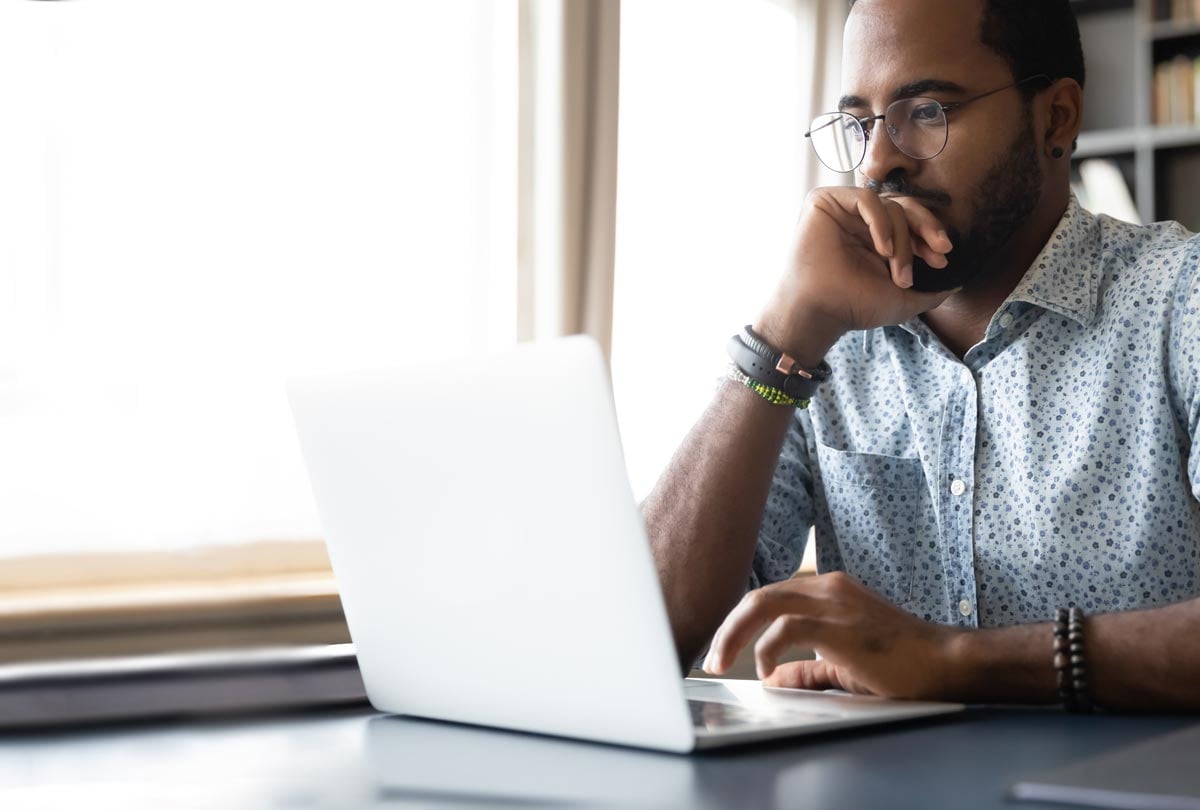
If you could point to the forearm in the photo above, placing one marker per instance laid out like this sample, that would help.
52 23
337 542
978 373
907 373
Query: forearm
1146 660
704 513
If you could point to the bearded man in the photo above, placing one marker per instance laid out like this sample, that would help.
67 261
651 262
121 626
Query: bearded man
985 399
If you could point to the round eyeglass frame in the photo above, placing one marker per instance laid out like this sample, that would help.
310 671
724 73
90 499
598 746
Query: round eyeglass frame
865 130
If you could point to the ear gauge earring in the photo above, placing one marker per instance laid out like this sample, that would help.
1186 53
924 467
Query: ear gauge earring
1056 152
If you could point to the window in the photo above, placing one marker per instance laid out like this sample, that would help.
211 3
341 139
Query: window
709 187
203 198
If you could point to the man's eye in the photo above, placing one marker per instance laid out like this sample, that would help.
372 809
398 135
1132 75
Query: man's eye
926 112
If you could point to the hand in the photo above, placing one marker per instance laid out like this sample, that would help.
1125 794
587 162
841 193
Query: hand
866 644
851 268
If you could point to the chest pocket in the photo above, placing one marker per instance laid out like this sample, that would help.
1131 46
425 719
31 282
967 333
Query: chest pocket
878 509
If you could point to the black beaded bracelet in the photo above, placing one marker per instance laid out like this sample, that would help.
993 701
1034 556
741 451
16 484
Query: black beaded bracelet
1070 661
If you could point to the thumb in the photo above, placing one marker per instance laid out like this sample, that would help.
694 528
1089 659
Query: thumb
805 675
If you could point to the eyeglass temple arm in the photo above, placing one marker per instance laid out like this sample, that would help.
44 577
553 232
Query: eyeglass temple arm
954 105
831 121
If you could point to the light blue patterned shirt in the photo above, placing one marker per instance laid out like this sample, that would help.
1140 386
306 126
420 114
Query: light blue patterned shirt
1052 465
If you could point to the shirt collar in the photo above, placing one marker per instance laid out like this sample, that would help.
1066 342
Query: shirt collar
1064 278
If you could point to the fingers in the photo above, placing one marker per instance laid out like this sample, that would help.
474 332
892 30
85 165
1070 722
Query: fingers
869 209
930 240
858 213
756 609
901 262
900 228
786 631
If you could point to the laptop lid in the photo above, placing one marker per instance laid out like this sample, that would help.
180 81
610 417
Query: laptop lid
492 563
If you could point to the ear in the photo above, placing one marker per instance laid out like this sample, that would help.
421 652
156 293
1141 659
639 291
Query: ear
1063 106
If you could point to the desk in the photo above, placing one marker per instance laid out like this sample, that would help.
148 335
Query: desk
355 758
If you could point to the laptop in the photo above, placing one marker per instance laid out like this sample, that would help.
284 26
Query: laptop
494 568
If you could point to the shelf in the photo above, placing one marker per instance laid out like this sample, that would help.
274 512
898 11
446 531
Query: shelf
1130 139
1123 41
1109 142
1174 137
1167 30
1090 6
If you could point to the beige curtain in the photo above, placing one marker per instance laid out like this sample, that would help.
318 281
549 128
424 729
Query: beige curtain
567 167
819 25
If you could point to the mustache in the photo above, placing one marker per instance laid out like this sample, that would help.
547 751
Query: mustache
899 185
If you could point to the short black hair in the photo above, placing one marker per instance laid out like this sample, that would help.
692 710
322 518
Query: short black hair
1034 36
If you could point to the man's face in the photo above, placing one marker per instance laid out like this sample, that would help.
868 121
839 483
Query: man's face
987 181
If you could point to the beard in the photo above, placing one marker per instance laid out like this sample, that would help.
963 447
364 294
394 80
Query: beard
1008 195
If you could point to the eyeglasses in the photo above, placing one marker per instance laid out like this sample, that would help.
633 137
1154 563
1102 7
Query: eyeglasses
917 126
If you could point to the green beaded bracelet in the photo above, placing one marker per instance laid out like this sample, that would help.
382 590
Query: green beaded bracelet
771 395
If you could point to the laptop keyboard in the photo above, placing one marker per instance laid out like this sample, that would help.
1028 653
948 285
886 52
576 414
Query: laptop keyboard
712 715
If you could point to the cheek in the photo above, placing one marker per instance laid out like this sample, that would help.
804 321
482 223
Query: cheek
960 179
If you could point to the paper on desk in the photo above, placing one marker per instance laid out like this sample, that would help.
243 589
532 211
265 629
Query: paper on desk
1155 774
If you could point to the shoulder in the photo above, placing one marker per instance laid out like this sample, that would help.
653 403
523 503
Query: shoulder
1158 254
1140 270
1184 306
1187 287
1181 308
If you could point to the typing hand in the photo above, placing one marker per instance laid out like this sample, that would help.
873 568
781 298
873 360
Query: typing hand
866 644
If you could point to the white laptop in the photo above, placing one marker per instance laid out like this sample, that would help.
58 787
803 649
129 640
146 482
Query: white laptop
494 568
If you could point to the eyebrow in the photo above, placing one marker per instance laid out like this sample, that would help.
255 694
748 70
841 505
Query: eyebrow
917 88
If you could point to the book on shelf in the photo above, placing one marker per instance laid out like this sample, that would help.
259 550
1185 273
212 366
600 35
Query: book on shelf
1176 96
1176 11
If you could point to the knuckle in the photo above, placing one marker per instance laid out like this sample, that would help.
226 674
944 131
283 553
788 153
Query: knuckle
755 599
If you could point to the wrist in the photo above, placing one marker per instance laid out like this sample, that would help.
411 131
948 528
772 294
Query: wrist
960 664
1000 665
805 335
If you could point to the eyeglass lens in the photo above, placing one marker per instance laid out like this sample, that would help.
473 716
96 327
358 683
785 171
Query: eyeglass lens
917 126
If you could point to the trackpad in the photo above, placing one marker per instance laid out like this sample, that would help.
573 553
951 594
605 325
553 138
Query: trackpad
709 690
752 695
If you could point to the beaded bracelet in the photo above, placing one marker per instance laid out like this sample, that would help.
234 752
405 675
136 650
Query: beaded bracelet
1070 661
771 395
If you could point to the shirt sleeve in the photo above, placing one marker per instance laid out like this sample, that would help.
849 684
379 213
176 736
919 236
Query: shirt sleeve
1184 356
788 515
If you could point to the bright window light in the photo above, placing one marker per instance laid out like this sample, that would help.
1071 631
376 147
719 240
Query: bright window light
709 189
203 198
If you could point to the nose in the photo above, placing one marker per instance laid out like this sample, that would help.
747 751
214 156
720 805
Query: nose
883 157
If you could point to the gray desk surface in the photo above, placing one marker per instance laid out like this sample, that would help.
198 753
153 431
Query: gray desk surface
354 758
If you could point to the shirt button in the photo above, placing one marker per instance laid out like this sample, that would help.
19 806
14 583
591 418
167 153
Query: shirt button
964 607
1006 321
957 488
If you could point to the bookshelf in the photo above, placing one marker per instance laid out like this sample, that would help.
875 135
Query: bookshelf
1123 41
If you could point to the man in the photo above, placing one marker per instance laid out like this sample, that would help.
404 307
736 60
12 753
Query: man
1009 425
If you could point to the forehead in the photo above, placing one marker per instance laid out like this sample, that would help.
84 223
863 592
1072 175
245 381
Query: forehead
889 43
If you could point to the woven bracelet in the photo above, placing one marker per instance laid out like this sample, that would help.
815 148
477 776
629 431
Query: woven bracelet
771 395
